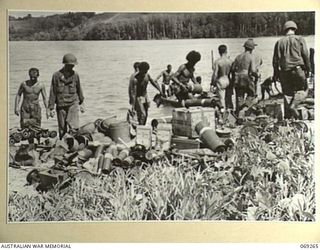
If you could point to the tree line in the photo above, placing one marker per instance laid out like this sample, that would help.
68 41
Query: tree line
74 26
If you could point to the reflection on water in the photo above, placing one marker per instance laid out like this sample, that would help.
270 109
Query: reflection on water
105 66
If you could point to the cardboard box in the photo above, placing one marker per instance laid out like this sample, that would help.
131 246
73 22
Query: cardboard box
164 138
144 136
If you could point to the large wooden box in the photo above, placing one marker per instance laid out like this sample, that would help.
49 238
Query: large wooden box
184 120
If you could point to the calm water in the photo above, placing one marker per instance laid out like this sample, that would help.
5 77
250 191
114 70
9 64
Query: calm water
105 66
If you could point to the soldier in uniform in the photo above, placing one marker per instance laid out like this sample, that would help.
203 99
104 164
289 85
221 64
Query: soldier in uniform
292 66
66 96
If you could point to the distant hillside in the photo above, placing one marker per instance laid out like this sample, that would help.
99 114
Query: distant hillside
137 26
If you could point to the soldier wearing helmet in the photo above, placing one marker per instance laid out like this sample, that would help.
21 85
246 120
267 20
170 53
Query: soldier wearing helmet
291 65
139 83
244 70
30 110
66 96
183 75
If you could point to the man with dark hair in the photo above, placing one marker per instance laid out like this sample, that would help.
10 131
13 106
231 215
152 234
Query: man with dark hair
183 75
66 94
136 69
30 110
220 77
291 65
166 78
243 69
139 94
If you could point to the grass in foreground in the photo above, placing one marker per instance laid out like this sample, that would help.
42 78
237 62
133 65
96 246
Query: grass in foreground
253 181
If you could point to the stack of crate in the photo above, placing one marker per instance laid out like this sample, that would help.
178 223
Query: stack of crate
183 125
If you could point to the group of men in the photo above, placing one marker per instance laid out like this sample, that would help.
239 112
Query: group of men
180 86
291 66
65 100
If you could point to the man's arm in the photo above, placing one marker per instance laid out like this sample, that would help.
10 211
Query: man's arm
155 84
178 72
52 95
305 55
193 79
17 100
275 62
214 73
79 90
133 91
159 76
45 99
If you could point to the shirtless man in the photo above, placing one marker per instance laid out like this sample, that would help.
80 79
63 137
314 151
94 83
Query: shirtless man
30 111
183 75
220 77
139 94
136 69
243 68
166 78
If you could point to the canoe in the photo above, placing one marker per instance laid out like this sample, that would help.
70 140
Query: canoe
173 102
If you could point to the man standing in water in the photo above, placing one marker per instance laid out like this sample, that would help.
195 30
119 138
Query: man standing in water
139 94
166 78
183 75
220 77
291 65
66 94
136 69
30 111
243 68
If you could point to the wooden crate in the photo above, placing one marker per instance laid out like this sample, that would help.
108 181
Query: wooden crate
144 136
184 120
208 116
185 143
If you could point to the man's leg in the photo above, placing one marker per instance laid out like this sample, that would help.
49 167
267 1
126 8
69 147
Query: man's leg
228 97
288 92
239 99
221 94
35 113
72 119
141 111
62 116
24 114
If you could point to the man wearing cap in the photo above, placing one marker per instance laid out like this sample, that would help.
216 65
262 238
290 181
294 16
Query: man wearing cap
243 69
291 65
66 94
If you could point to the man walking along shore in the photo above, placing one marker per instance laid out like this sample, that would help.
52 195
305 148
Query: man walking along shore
291 65
30 110
138 94
66 95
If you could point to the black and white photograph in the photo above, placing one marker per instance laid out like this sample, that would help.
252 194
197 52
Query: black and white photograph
160 116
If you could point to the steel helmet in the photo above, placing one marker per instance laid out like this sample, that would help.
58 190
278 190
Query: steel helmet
69 59
290 25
